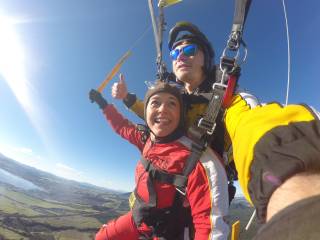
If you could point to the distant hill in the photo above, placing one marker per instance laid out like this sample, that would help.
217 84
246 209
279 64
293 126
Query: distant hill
37 205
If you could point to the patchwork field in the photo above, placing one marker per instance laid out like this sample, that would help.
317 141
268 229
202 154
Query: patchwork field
60 209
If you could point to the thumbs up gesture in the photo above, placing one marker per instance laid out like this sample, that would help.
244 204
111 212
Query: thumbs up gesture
119 89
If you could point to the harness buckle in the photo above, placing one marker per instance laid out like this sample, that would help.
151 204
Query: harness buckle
207 125
228 63
220 85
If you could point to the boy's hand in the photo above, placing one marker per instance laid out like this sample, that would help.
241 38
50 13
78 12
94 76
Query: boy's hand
95 96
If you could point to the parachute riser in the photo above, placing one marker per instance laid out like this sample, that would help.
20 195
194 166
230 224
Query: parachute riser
158 30
222 91
231 62
162 69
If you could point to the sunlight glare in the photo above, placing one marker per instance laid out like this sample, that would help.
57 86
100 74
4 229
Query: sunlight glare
12 62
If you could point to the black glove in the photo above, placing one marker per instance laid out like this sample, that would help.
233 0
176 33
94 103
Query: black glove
95 96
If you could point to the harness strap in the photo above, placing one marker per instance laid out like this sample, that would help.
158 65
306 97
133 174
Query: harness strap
240 14
162 176
196 152
208 121
228 74
180 181
148 212
220 97
223 90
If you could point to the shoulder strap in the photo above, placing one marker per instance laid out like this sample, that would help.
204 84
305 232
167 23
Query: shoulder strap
240 14
223 90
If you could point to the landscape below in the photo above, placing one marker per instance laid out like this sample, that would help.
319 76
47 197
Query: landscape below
37 205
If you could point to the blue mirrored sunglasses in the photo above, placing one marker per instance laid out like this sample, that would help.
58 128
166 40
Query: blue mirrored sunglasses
189 50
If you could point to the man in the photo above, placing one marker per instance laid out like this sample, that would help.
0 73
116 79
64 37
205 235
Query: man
193 66
273 146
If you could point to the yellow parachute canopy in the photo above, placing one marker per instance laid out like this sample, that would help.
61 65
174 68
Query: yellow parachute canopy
167 3
114 71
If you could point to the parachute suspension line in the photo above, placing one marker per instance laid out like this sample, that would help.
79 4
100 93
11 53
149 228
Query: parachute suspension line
140 37
118 65
289 54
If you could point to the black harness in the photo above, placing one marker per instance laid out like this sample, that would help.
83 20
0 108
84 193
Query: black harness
223 88
168 223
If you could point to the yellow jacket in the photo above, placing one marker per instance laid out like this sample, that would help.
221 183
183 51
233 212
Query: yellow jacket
246 123
246 126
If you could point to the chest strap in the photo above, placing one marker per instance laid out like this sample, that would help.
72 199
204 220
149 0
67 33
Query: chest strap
162 176
180 181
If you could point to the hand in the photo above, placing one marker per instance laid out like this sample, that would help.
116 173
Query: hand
119 89
95 96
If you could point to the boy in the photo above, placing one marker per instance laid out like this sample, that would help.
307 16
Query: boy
175 181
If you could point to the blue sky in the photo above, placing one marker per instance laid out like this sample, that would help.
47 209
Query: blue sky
53 52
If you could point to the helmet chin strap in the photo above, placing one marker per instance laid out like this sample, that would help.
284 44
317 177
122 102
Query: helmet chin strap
153 136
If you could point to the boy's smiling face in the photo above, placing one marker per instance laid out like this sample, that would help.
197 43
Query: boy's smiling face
163 114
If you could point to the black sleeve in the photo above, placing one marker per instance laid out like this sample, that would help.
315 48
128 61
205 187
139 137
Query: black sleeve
130 99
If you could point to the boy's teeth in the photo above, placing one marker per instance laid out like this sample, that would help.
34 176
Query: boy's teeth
161 120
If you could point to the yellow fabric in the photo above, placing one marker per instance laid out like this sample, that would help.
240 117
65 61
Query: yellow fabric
132 200
138 108
246 126
167 3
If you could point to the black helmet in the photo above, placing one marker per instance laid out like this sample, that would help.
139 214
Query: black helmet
194 35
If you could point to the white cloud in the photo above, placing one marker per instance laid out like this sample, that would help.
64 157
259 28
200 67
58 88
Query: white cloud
68 172
24 150
122 186
66 168
24 155
28 156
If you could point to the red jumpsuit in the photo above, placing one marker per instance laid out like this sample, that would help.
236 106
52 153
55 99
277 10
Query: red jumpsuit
206 193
